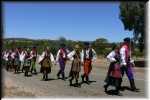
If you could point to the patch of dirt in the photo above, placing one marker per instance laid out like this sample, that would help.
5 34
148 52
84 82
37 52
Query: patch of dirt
14 91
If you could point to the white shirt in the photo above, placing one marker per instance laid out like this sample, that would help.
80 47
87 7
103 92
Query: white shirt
87 55
32 55
22 56
58 55
13 55
71 54
111 56
123 56
43 55
5 57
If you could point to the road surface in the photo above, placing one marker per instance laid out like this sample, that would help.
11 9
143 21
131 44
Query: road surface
16 85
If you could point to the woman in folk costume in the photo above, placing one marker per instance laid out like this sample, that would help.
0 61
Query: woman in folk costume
45 61
61 59
7 59
33 56
114 75
127 63
22 58
87 56
76 64
26 62
16 61
13 57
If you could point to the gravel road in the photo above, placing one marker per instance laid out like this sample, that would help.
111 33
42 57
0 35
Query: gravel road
16 85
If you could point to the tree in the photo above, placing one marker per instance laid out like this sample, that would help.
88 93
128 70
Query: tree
132 16
100 46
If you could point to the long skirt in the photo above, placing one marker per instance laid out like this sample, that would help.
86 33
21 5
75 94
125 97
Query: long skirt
8 64
47 69
87 67
17 64
75 68
114 75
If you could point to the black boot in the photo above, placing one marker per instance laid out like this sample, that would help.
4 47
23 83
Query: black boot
63 77
43 76
132 85
35 71
105 87
46 76
22 69
26 71
87 80
77 84
82 76
117 91
58 75
70 82
119 87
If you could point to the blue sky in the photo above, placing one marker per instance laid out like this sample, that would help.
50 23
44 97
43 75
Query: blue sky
51 20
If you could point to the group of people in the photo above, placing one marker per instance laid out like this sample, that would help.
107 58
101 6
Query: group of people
120 63
20 59
25 60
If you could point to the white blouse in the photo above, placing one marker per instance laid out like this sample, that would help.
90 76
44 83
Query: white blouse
43 55
111 56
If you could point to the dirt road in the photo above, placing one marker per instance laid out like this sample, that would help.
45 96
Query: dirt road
16 85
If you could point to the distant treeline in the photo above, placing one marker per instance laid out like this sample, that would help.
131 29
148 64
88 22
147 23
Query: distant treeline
101 45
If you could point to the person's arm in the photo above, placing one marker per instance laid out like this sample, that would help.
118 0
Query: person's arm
110 57
123 56
82 56
71 54
52 58
94 55
41 57
57 56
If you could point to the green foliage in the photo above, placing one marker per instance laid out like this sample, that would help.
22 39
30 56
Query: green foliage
132 16
101 45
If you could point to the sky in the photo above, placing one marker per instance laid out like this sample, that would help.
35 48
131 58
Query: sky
85 21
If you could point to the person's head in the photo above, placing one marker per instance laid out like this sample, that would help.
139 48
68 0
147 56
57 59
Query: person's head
47 49
86 45
117 49
77 47
19 49
33 48
24 48
127 41
28 50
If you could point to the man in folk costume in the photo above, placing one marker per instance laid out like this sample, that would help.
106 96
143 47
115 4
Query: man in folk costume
87 56
61 59
45 60
75 55
127 63
9 61
16 60
26 62
33 56
13 57
114 75
19 52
